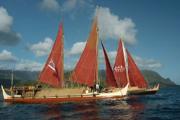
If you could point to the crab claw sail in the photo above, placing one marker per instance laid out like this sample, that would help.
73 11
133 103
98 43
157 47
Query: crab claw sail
86 70
53 71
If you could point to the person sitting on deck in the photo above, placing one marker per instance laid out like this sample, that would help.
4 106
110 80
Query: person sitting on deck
86 90
92 89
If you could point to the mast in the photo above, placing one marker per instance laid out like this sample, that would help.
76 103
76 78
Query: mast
62 63
125 60
97 29
12 79
12 82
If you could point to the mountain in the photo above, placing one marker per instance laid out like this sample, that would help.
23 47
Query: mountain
153 78
20 77
30 77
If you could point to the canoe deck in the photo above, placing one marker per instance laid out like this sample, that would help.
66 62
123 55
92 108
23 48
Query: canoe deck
59 92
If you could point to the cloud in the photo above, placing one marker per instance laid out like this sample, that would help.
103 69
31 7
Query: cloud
28 65
147 63
9 61
5 20
42 48
75 51
68 66
50 5
141 62
66 6
111 56
75 8
77 48
3 67
6 56
113 27
69 5
7 36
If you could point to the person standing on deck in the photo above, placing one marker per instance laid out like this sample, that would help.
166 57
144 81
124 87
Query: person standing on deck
97 87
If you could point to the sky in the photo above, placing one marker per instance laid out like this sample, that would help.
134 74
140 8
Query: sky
150 29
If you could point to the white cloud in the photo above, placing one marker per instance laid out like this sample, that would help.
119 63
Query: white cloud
141 62
65 6
51 5
42 48
77 48
3 67
6 56
28 65
68 66
9 61
112 55
5 20
7 36
69 5
147 63
111 26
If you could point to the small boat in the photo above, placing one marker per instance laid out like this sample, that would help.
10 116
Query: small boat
126 71
85 73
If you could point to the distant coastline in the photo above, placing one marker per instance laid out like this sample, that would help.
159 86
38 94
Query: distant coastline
31 77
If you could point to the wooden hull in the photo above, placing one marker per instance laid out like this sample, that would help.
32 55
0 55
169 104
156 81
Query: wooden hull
150 91
142 92
76 98
56 100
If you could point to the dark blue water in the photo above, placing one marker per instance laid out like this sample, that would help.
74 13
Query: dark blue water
165 105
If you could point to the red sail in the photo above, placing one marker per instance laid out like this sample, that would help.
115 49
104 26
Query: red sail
120 71
135 76
86 70
110 79
53 71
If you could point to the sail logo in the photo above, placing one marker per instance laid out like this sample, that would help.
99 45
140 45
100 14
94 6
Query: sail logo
119 68
52 65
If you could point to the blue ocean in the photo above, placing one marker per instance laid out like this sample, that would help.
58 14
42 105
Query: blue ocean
165 105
